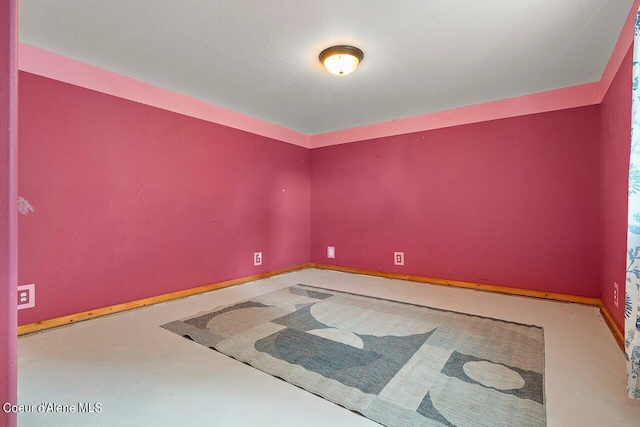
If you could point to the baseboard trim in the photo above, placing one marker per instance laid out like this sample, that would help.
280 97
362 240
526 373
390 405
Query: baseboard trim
104 311
618 334
99 312
597 302
469 285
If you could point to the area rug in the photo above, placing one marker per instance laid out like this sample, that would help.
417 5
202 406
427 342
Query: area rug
395 363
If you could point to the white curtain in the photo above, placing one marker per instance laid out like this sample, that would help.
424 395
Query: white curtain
632 297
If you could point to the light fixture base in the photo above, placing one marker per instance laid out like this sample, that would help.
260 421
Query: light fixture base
341 60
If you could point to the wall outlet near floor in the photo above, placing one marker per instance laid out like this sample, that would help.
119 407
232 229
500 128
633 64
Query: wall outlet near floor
257 258
331 252
26 296
615 294
398 258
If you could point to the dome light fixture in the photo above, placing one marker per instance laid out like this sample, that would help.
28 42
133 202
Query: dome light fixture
341 60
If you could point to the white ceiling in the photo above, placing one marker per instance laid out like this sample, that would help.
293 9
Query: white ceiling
260 58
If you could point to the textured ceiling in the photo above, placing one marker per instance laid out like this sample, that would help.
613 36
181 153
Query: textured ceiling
260 58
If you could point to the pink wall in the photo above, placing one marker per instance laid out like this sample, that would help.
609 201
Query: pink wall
8 206
615 138
133 201
558 99
508 202
44 63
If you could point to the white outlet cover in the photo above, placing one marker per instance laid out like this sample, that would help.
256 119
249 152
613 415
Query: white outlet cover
26 296
398 258
331 252
257 258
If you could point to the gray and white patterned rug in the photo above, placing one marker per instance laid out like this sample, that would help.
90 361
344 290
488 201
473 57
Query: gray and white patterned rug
398 364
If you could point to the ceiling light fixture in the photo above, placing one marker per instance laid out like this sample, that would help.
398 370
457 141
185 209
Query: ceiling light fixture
341 60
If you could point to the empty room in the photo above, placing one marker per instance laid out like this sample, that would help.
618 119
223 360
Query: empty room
320 213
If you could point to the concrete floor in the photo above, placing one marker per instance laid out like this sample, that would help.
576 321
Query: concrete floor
143 375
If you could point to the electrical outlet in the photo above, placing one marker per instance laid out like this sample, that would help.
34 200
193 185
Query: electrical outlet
257 258
615 294
331 252
26 296
398 258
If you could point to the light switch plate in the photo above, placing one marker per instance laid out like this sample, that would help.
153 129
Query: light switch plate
331 252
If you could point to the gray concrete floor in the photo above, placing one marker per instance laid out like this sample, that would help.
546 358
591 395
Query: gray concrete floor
143 375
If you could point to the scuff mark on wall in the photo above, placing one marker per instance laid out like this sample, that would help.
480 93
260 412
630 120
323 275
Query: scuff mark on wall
24 206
